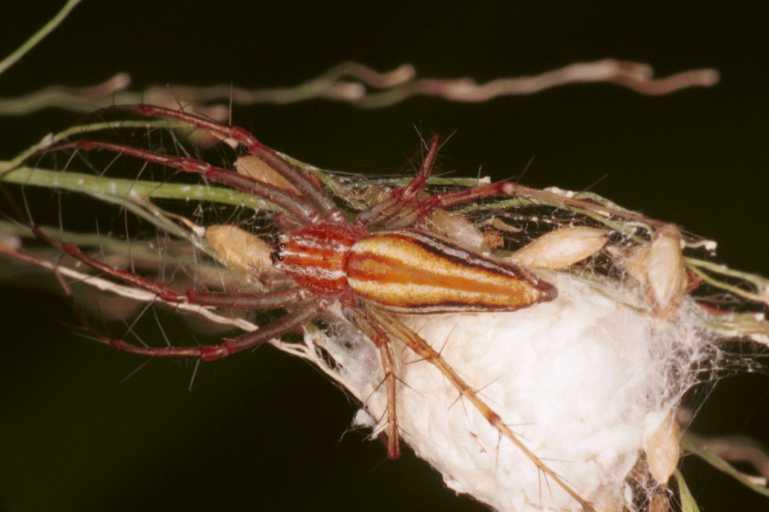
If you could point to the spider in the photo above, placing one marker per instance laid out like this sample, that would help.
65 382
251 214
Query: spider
382 263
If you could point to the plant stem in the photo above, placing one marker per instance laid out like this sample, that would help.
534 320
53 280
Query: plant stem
103 185
38 36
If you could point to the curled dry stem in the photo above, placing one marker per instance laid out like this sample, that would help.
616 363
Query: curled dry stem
358 85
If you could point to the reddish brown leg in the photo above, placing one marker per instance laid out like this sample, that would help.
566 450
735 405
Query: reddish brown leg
418 182
269 300
388 364
303 313
296 177
400 203
499 188
395 329
380 339
293 205
510 188
425 206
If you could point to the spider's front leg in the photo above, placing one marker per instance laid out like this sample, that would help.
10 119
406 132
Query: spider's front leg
301 310
308 187
302 313
296 207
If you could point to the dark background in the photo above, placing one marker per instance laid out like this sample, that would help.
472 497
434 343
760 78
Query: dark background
264 431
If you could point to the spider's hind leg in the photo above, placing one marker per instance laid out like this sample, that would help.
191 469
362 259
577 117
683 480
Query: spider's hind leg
382 341
393 329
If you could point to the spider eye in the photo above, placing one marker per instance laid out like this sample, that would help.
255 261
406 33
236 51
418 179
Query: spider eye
276 255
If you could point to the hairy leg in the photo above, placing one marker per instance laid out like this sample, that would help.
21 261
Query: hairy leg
393 438
268 300
395 329
307 186
302 313
380 339
293 205
398 210
512 189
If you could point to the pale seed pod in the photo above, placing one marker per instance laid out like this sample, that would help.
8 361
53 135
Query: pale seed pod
561 248
665 270
663 448
457 229
239 249
10 242
256 168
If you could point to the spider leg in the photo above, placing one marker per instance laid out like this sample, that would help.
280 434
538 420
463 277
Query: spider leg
270 300
508 189
163 292
395 329
382 341
292 204
307 186
388 364
304 312
496 189
400 203
418 182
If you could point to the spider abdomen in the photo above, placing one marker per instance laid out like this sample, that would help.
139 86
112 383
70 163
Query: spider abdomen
412 272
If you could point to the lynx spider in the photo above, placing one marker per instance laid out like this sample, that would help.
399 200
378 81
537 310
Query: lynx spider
376 266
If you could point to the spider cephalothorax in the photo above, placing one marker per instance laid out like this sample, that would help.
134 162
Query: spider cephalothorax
382 263
316 256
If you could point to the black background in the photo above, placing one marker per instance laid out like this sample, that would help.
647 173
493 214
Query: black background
264 431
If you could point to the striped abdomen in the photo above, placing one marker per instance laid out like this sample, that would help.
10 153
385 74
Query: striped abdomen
413 272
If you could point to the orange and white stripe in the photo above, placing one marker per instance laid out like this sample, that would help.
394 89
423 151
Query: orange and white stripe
412 272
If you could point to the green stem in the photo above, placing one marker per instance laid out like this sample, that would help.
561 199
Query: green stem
38 36
103 185
734 290
759 282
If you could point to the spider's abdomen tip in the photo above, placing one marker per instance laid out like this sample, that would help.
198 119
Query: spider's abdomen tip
547 291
